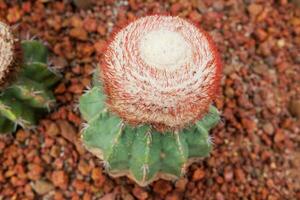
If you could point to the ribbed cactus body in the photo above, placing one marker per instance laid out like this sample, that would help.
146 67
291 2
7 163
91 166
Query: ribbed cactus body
150 109
142 153
29 94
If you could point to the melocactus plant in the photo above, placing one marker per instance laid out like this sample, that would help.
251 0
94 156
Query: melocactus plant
149 112
25 80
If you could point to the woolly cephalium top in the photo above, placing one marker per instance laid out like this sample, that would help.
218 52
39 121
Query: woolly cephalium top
161 70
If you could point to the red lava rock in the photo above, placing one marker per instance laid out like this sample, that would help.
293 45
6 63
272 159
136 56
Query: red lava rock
108 196
76 69
240 175
84 167
174 196
195 16
52 129
79 147
228 174
279 136
2 146
72 117
198 174
219 196
181 184
55 151
98 176
176 7
58 196
55 22
22 135
42 187
79 33
133 4
60 89
249 125
86 50
87 196
60 179
101 30
76 22
220 180
295 108
78 185
90 24
83 4
26 7
48 142
100 46
140 193
59 62
270 183
14 14
268 128
255 9
162 187
67 130
15 181
261 34
34 171
76 88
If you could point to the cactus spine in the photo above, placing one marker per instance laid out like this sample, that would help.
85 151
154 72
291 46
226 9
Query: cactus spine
149 111
25 80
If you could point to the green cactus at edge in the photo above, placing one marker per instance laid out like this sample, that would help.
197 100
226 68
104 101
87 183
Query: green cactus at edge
28 95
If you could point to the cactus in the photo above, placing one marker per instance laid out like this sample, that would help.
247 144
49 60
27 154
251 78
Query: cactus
149 111
25 80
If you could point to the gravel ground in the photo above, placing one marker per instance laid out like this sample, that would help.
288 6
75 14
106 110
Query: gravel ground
256 146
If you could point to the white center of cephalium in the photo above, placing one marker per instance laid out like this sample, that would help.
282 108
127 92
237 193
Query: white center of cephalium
164 49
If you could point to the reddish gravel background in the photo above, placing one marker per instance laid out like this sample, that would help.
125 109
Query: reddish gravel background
257 146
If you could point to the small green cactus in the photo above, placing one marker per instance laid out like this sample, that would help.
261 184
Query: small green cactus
26 80
149 111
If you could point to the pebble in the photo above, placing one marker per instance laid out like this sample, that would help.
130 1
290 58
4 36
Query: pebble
83 4
60 179
84 168
79 33
140 193
51 129
294 108
228 174
279 136
100 46
240 175
174 196
67 130
181 183
162 187
268 128
198 174
42 187
255 9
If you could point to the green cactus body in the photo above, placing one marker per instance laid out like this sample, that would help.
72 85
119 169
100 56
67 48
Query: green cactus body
142 153
29 94
150 109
